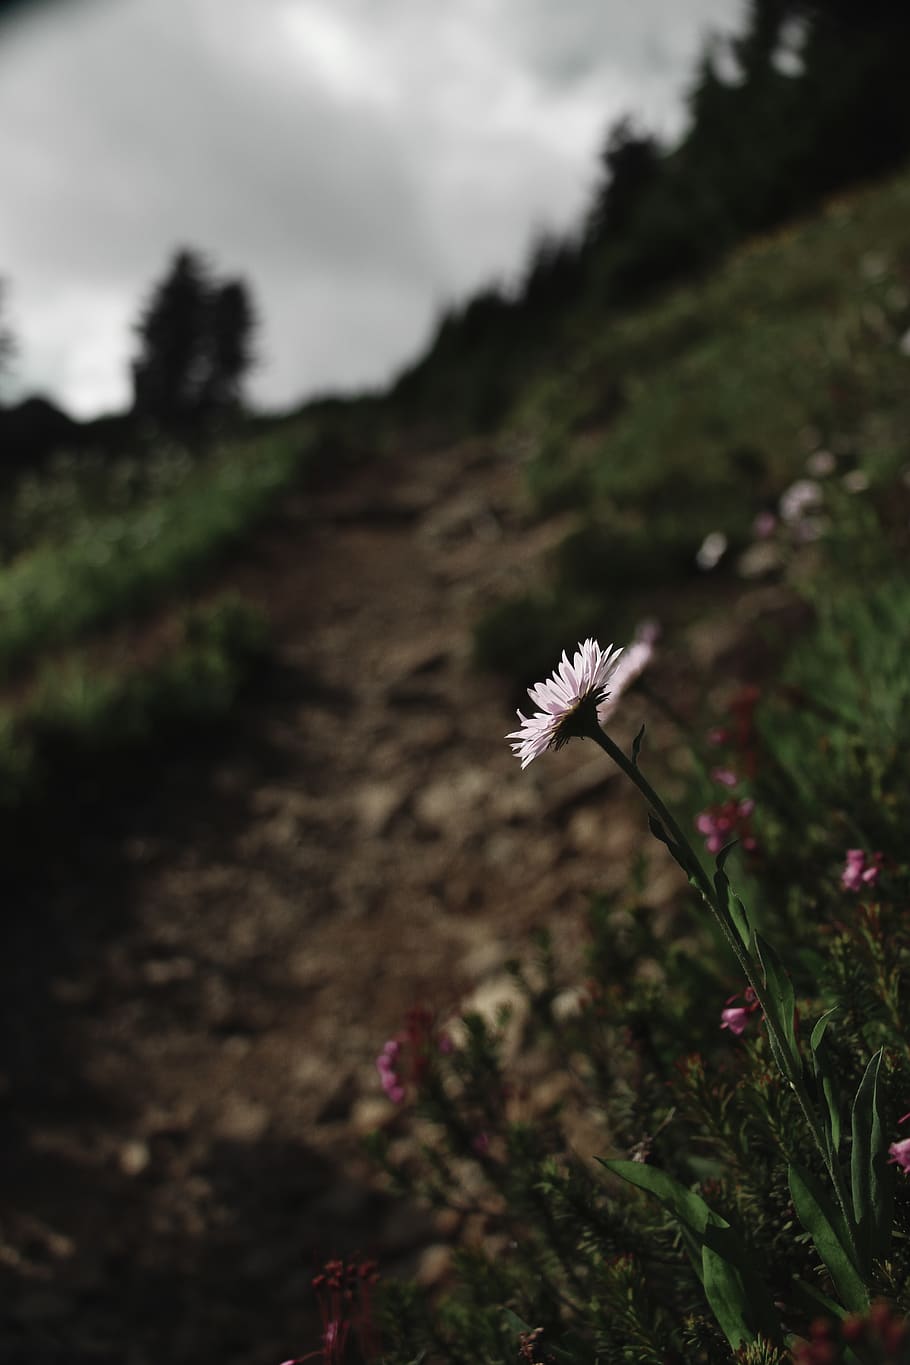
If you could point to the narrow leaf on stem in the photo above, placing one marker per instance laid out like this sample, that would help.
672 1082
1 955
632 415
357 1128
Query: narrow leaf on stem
830 1236
872 1179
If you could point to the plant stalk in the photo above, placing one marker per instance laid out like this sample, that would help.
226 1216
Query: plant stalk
691 865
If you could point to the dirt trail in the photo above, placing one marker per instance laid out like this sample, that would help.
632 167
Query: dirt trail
202 980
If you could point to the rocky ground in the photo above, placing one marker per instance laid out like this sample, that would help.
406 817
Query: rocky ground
202 977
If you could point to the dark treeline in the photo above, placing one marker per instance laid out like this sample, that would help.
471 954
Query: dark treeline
809 99
194 348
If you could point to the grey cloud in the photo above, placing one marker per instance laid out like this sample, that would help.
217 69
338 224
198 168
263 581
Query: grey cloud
360 161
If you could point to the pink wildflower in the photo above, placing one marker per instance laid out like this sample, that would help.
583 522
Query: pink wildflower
636 657
568 701
727 821
899 1152
860 869
344 1294
407 1058
724 776
764 525
387 1066
736 1017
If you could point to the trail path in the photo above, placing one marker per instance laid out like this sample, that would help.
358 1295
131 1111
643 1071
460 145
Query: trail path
203 979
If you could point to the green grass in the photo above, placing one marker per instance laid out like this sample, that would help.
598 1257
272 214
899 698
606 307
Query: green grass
116 565
78 716
694 413
724 384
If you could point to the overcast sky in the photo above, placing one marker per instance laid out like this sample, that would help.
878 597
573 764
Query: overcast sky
360 162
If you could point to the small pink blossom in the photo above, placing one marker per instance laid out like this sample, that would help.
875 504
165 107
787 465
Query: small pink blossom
727 821
407 1059
387 1066
764 525
899 1152
860 869
636 657
736 1017
724 776
481 1143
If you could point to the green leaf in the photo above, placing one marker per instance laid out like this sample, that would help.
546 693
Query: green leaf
829 1234
726 1293
740 920
781 997
826 1078
871 1177
735 1291
636 745
726 899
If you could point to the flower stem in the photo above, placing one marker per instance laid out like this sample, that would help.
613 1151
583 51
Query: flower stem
791 1067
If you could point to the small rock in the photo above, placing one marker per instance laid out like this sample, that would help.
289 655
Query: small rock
485 958
433 1265
570 1003
134 1157
378 803
243 1121
490 1000
165 971
449 804
370 1113
759 560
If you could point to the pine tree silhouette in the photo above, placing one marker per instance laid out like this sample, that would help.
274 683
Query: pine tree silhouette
195 338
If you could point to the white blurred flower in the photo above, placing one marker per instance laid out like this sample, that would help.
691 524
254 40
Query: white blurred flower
800 498
857 481
712 550
821 463
635 659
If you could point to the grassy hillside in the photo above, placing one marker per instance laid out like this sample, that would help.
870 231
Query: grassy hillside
692 415
104 648
775 390
656 427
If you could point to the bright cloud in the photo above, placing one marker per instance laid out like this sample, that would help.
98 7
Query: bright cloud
360 162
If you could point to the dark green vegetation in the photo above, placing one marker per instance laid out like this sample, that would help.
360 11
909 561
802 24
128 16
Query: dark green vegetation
718 393
103 653
819 744
808 100
665 384
696 414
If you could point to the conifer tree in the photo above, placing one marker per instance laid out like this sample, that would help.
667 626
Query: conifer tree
195 338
